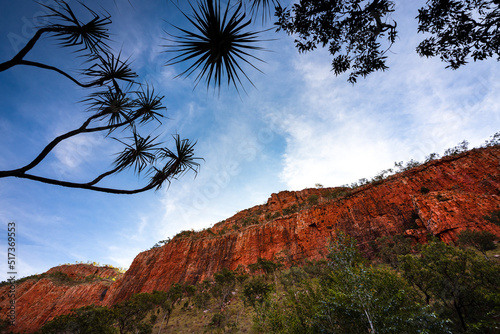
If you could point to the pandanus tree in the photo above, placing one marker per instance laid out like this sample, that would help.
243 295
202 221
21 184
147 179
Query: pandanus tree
217 44
117 102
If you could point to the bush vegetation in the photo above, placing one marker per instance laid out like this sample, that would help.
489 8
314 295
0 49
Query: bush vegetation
434 288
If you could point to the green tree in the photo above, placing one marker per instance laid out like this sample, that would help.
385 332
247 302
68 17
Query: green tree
352 298
367 300
225 281
131 314
460 284
86 320
361 299
256 293
483 241
168 300
120 105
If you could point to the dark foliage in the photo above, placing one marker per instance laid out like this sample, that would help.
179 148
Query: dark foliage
121 104
460 30
215 46
357 33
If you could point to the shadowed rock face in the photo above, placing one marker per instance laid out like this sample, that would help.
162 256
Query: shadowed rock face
442 198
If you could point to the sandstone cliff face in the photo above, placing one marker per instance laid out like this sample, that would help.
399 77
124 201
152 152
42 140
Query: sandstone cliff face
58 291
441 198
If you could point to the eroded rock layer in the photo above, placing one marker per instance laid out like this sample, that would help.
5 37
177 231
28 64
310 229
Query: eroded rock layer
442 198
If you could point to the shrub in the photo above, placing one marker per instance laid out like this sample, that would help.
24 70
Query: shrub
424 190
430 157
312 200
411 164
267 266
495 140
460 148
494 218
201 300
217 320
292 209
483 241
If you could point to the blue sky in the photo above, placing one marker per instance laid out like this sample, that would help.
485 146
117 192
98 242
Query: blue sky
300 126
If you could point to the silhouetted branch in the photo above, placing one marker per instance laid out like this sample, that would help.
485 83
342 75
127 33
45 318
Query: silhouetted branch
52 68
88 186
111 108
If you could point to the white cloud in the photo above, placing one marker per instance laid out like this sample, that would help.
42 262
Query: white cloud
337 133
74 151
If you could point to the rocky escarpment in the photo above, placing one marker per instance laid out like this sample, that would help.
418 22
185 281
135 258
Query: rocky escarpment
40 298
441 197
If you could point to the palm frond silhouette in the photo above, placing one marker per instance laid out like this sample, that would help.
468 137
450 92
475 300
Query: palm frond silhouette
216 45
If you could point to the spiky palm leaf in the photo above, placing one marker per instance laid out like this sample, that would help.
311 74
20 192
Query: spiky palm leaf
263 6
115 106
139 154
110 68
179 162
92 35
217 44
148 104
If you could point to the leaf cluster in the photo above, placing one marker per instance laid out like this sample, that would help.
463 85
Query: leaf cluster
354 32
460 29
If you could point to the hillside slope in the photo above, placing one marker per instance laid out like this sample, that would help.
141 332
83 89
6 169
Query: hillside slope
441 197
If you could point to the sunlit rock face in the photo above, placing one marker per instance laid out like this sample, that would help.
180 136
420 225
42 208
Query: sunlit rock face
61 289
441 198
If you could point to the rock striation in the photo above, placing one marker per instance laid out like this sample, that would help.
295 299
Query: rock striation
442 197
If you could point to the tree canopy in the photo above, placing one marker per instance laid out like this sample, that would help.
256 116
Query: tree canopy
358 34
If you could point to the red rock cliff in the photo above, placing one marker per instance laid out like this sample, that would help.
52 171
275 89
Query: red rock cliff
58 291
442 198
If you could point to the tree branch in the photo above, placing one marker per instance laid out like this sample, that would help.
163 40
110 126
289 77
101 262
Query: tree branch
102 176
87 186
52 68
57 140
27 48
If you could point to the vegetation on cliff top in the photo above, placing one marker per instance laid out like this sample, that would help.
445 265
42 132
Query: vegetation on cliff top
261 214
